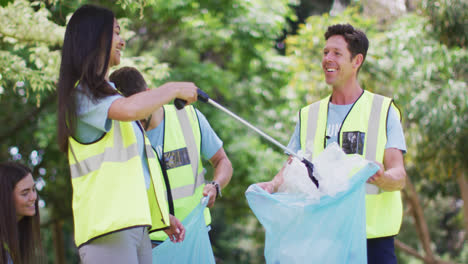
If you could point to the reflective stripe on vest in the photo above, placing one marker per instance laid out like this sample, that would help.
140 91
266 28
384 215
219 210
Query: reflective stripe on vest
182 146
188 190
115 153
372 137
193 151
367 117
109 192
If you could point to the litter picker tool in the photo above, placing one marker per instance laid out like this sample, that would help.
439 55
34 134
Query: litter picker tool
202 96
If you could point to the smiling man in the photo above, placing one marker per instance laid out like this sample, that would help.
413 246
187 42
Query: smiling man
361 123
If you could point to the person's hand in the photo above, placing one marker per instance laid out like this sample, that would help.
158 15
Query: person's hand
183 90
389 180
378 176
176 230
268 186
210 189
273 185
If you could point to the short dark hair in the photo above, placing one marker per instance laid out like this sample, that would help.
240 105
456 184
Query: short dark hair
356 39
128 81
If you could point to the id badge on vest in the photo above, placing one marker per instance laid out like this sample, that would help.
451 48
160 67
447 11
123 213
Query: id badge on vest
176 158
353 142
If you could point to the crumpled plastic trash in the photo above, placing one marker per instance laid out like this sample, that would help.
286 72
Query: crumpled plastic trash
332 168
306 225
196 247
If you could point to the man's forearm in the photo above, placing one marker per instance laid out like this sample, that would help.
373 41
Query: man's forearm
222 172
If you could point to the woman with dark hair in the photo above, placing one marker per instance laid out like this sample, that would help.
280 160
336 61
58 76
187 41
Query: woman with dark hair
118 192
19 222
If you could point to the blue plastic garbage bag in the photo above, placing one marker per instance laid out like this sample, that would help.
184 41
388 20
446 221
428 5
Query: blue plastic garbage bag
196 247
332 230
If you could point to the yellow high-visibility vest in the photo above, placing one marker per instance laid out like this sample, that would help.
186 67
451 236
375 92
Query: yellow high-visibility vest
182 157
363 132
109 192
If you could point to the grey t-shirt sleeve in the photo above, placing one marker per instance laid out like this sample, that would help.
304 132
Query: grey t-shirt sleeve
395 135
92 117
210 142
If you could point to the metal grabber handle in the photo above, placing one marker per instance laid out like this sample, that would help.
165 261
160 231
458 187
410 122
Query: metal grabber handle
202 96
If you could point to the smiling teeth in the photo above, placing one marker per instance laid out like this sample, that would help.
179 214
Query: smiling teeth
331 70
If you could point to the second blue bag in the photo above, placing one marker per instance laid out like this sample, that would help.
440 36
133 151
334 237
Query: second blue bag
196 247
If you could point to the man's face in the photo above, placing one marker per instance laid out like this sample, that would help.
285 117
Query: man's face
337 64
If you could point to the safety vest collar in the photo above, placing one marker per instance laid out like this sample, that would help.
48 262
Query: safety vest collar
344 120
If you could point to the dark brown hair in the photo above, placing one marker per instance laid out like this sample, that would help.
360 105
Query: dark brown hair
85 60
128 81
18 239
356 39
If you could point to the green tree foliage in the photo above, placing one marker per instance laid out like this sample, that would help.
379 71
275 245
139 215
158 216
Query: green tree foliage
428 81
449 20
427 77
29 63
27 40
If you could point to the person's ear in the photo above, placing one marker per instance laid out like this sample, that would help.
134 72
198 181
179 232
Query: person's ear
357 61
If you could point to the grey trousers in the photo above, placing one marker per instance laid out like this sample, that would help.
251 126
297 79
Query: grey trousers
126 247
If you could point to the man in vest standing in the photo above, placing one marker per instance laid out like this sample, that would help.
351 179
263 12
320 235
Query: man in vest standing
180 138
361 123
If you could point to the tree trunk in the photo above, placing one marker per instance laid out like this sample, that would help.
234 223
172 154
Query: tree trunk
463 185
57 237
420 221
408 250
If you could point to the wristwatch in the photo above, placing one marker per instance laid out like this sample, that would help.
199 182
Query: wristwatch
218 188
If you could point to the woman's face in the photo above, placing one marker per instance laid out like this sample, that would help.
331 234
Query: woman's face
117 46
25 197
